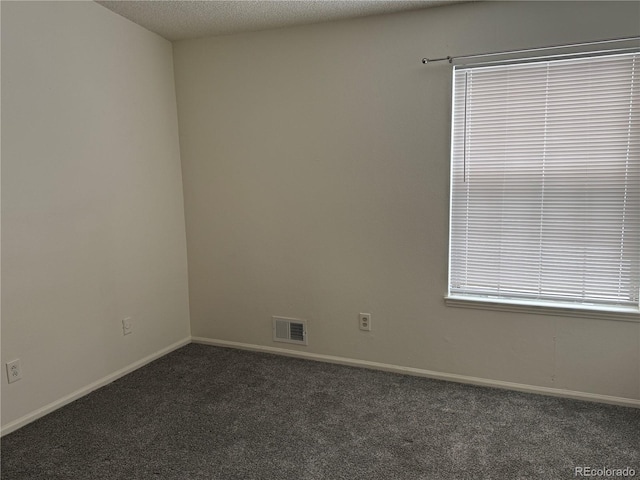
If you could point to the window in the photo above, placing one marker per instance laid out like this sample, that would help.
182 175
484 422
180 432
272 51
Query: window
545 183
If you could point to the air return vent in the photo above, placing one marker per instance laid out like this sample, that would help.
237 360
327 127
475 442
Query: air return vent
290 330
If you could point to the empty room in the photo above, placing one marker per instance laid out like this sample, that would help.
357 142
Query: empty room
320 240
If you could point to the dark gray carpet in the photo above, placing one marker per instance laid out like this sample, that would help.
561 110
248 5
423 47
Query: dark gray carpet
203 412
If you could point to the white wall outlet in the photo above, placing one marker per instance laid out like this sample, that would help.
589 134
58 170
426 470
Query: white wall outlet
14 370
365 321
127 325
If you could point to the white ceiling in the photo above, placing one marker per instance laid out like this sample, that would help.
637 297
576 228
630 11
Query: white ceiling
178 20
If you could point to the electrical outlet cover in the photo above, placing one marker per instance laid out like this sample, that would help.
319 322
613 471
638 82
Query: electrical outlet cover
14 370
127 325
365 322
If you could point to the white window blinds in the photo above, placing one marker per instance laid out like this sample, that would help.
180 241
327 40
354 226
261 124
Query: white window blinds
545 182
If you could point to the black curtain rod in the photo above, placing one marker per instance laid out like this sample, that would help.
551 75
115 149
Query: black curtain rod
450 59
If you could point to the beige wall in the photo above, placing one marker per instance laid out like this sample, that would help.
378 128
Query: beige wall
315 164
316 172
92 205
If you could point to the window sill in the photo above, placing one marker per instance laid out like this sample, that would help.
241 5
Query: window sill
565 310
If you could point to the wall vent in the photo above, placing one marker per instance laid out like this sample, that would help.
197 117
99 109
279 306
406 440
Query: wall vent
289 330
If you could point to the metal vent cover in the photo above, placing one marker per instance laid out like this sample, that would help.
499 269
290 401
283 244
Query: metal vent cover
290 330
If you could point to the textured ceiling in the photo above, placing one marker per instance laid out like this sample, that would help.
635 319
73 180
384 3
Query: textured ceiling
178 20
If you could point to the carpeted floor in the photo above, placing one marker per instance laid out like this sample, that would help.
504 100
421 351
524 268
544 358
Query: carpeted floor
204 412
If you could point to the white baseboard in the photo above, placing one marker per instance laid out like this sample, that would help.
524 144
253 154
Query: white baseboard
556 392
30 417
